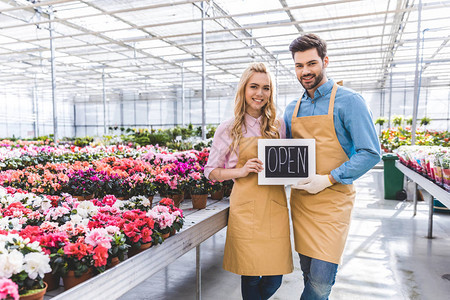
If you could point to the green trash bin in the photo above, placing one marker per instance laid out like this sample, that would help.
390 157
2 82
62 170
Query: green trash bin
393 179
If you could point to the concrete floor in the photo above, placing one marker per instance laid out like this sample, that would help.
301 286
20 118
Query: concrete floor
387 257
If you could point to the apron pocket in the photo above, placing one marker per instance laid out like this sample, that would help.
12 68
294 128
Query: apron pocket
240 221
279 220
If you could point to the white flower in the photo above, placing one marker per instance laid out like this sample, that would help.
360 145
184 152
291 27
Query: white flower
76 219
86 209
45 204
119 204
11 264
36 264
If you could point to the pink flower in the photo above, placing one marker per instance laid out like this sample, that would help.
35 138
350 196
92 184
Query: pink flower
99 237
8 289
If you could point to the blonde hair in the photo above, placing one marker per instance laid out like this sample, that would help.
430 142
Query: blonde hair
269 122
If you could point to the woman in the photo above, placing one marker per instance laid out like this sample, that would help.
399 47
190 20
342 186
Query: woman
258 243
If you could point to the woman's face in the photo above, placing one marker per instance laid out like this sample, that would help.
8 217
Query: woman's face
257 92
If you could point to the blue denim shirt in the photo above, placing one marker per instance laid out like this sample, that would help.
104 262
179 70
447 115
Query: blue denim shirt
353 124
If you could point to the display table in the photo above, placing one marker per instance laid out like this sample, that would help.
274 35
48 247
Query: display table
435 191
199 225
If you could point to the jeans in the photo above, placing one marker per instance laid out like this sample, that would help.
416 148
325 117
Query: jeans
318 276
259 287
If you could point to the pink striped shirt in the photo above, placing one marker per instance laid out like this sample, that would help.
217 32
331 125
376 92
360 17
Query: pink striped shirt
220 155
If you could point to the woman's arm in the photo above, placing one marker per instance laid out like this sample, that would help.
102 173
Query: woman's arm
253 165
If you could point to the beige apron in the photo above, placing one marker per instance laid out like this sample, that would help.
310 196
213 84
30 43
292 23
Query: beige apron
258 238
321 221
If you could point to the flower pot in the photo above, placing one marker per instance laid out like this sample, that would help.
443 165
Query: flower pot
114 262
177 199
70 280
227 192
83 198
199 201
150 199
172 231
187 194
52 281
165 235
217 195
35 294
133 251
121 198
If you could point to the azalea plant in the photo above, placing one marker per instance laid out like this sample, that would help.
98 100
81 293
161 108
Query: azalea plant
199 184
8 289
22 261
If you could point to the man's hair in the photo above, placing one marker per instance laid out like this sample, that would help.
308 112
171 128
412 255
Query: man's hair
309 41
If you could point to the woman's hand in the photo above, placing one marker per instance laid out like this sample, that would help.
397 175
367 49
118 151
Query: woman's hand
252 165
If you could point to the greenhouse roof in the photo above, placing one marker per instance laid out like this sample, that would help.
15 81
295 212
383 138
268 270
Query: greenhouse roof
151 45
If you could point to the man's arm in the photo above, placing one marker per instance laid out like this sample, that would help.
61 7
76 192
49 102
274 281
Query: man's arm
366 152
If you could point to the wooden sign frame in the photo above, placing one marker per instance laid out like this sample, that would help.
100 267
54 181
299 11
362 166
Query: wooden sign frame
291 147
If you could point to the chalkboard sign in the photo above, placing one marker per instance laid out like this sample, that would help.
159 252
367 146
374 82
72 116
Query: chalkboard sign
286 161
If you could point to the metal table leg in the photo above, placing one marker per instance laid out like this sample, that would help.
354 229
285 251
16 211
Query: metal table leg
199 273
415 198
430 218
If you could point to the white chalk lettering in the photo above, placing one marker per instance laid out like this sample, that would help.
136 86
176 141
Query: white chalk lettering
269 160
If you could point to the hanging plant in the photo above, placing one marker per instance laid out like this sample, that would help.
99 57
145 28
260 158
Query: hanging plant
425 121
397 120
381 121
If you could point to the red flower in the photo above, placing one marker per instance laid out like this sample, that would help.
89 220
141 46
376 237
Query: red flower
100 256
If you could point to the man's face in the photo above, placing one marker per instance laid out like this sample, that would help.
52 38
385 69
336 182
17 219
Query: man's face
310 69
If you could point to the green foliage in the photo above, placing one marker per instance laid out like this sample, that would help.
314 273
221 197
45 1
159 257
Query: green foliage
425 121
381 121
409 121
83 141
397 120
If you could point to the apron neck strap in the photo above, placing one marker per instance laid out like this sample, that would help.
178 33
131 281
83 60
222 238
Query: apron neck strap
332 97
330 107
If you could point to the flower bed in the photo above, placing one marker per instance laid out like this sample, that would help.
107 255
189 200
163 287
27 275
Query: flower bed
70 235
432 162
392 138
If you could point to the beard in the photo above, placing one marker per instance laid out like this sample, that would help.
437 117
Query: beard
317 79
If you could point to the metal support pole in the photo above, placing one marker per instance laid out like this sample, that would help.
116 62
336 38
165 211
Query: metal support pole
182 95
198 268
430 218
52 63
415 197
35 111
104 102
276 80
203 72
416 77
390 99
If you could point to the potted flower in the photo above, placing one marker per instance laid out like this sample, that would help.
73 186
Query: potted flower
163 219
172 187
199 186
142 185
24 263
138 230
114 184
118 248
216 189
76 260
8 289
138 202
83 184
227 187
176 212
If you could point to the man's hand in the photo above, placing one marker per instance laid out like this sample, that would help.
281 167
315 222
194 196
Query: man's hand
314 185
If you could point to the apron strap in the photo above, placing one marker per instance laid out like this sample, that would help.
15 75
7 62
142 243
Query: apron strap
297 106
332 97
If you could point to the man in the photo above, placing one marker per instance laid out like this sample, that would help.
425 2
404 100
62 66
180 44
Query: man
346 147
